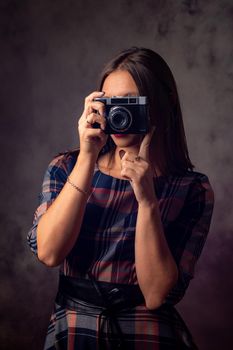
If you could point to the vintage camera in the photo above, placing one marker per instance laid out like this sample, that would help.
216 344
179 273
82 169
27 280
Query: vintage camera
125 115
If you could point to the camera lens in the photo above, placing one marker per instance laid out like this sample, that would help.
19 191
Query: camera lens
120 119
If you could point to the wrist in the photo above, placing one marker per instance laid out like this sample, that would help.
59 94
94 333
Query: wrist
148 204
85 164
86 158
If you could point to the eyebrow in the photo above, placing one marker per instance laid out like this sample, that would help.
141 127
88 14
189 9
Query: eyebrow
128 94
132 94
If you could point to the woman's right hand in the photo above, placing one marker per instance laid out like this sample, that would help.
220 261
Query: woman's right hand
91 139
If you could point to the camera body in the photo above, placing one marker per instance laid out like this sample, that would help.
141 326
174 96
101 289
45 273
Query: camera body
125 115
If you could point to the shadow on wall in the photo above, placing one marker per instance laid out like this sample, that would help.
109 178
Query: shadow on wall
25 315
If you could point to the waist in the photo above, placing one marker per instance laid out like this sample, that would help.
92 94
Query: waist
113 296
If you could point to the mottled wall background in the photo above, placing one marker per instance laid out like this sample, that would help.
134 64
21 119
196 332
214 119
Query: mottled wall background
51 53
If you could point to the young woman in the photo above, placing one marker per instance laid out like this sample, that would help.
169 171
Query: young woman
125 217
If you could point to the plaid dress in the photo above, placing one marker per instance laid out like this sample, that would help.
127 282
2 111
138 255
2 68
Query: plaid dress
105 247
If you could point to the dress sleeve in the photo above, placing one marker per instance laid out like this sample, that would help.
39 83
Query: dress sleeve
192 227
54 180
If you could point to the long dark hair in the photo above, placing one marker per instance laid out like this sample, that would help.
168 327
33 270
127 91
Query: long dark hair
155 80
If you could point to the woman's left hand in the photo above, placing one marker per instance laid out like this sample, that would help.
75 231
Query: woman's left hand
137 168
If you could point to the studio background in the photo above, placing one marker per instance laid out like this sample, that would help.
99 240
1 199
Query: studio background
51 55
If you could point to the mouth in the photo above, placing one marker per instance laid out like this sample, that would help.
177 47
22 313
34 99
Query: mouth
119 135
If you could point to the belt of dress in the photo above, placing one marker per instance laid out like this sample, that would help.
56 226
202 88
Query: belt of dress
109 297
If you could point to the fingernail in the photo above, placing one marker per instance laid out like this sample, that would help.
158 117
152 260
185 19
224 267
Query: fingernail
121 153
102 93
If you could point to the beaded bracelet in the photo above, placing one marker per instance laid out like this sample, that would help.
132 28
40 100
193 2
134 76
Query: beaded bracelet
76 187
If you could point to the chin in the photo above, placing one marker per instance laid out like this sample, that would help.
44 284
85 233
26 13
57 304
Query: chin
126 140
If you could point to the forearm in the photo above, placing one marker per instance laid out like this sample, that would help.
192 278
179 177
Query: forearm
59 227
155 267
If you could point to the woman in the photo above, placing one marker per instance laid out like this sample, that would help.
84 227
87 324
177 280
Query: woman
126 218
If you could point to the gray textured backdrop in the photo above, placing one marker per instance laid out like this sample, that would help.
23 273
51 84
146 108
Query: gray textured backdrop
51 53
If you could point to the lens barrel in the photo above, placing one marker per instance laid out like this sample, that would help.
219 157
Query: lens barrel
119 118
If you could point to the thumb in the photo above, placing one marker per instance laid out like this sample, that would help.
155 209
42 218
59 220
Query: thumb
145 145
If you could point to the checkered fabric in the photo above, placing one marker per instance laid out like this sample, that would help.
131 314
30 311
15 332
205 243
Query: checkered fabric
105 248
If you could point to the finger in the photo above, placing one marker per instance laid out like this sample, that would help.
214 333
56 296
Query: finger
128 173
139 167
93 95
91 134
88 100
95 118
130 156
138 159
91 119
95 106
145 145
